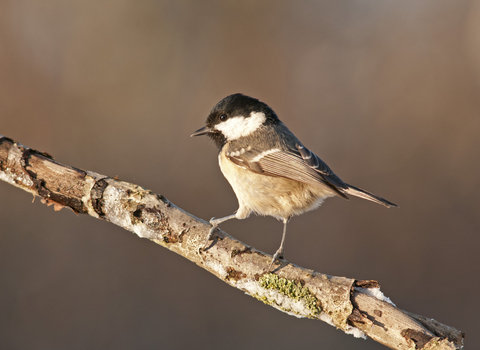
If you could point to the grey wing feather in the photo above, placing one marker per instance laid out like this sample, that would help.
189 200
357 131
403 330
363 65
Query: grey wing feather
316 163
288 164
300 165
313 161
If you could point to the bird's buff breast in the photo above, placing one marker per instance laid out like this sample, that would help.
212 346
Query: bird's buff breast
267 195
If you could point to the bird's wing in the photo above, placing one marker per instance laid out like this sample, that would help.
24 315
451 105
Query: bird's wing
297 164
314 162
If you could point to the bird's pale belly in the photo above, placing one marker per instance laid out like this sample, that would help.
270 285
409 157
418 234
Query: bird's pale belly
274 196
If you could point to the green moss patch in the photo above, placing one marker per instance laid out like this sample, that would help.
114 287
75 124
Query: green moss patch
292 289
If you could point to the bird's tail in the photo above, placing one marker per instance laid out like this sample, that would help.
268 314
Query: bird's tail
358 192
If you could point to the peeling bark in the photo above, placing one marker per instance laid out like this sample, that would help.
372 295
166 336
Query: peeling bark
356 307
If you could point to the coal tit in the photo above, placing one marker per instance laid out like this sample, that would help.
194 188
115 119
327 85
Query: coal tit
270 170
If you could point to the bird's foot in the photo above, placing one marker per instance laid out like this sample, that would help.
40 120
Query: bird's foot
278 255
211 233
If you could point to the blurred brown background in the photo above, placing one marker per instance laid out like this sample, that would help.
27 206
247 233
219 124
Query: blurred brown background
387 93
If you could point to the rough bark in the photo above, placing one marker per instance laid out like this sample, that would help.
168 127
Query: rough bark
356 307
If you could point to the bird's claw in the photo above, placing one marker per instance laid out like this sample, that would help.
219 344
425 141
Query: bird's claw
211 233
278 255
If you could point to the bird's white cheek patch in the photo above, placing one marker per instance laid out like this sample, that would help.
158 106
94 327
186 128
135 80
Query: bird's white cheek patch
236 127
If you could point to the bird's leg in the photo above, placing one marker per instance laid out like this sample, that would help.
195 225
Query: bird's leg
279 253
215 222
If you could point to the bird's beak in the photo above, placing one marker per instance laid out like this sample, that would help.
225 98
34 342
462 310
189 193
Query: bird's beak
202 131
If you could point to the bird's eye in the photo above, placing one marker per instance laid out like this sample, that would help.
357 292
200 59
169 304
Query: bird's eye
223 117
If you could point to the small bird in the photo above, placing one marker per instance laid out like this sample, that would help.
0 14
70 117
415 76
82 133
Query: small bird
271 172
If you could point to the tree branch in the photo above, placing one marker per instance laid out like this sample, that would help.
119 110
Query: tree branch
356 307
